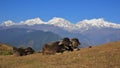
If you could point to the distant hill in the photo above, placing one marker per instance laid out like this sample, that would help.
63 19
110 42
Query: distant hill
102 56
21 37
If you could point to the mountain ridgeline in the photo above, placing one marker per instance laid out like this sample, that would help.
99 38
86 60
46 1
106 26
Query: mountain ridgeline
20 37
35 32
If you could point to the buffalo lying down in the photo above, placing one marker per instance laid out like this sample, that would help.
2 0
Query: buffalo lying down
60 46
75 43
22 51
52 48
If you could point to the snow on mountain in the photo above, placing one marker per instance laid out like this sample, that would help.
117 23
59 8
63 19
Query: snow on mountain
86 30
65 24
96 23
31 22
7 23
60 22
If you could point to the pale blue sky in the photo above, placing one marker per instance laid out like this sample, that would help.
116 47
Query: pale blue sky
72 10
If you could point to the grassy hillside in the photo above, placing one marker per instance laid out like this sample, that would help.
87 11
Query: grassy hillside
104 56
5 49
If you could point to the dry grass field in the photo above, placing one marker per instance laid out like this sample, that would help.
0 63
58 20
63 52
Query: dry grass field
103 56
5 49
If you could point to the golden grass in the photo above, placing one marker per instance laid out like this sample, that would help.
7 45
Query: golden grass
5 49
104 56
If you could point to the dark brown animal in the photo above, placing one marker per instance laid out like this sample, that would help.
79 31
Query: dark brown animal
22 51
29 50
75 43
15 52
18 51
90 46
56 47
60 46
52 48
67 44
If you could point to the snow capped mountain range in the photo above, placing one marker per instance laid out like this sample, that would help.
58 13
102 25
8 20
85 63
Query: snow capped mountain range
7 23
60 22
31 22
89 32
65 24
98 23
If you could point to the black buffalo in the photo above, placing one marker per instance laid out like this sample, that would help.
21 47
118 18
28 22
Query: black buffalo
22 51
75 43
55 47
60 46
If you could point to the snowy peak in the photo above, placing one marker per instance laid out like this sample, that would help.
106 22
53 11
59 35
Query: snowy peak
7 23
60 22
31 22
96 23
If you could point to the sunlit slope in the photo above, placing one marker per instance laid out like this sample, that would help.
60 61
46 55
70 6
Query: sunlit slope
5 49
103 56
